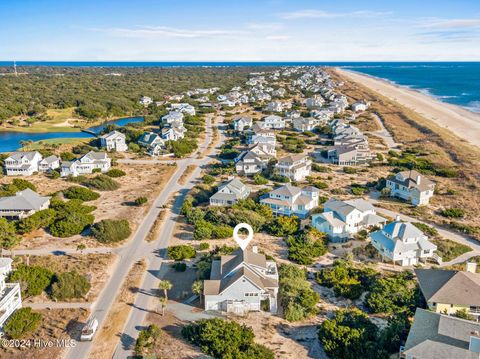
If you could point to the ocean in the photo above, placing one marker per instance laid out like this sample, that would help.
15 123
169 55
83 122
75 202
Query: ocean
457 83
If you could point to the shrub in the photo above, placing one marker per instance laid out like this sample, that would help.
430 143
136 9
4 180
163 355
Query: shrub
33 279
140 201
111 230
71 224
96 170
115 172
259 179
220 338
69 285
180 266
8 234
358 191
317 168
181 252
207 179
53 174
81 193
283 226
22 184
147 340
448 249
350 170
425 228
67 156
40 219
21 322
453 212
101 183
304 247
204 246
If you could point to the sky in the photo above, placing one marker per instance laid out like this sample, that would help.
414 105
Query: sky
246 30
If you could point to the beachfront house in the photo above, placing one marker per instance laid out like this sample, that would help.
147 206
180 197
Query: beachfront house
450 291
295 167
289 200
403 243
411 186
23 204
360 106
152 142
22 163
274 122
240 123
438 336
229 193
49 163
10 295
114 141
241 282
341 220
86 164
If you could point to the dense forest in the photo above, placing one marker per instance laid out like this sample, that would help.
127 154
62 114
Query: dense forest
104 91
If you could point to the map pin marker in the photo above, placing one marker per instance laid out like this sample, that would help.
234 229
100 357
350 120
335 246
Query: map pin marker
243 243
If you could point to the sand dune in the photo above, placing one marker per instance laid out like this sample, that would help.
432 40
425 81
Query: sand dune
463 123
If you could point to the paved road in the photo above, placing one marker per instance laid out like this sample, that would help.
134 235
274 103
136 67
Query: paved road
136 249
146 299
384 134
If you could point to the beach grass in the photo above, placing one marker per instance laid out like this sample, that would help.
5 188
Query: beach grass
53 142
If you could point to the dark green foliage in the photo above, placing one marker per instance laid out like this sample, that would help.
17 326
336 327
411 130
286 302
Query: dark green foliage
204 246
179 266
21 322
22 184
317 168
140 201
67 156
111 230
101 183
81 193
147 340
283 226
304 247
33 279
259 179
71 224
425 228
8 234
181 252
292 144
115 172
220 338
453 212
412 159
182 147
70 285
298 299
350 170
207 179
40 219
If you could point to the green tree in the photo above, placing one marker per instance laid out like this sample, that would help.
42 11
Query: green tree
197 288
181 252
147 340
111 230
21 322
33 279
8 234
165 285
69 285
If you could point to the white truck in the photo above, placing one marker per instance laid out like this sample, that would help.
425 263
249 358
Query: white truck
89 329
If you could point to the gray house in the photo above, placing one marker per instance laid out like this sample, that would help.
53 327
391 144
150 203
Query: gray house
23 204
229 192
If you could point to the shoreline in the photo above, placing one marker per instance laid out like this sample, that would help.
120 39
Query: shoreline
460 121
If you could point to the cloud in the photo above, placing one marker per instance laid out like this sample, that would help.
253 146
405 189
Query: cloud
320 14
265 26
165 31
278 37
451 24
449 29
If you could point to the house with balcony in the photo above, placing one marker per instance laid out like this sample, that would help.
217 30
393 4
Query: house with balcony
172 116
174 132
289 200
341 220
242 282
152 142
22 163
114 141
49 163
403 243
229 193
294 167
274 122
10 295
411 186
305 124
183 108
438 336
258 133
23 204
240 123
360 106
86 164
450 291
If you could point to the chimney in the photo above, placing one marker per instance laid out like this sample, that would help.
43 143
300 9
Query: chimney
471 267
397 218
419 179
254 249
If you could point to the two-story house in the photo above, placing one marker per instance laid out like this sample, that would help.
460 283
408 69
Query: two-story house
450 291
114 141
411 186
229 193
289 200
22 163
274 122
241 282
152 142
340 220
173 133
49 163
86 164
10 295
240 123
403 243
172 116
295 167
305 124
23 204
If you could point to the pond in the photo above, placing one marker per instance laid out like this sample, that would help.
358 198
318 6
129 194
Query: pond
10 141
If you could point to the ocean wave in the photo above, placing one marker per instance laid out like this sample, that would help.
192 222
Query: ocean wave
473 106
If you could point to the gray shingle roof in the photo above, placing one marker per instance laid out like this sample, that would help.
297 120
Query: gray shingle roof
26 200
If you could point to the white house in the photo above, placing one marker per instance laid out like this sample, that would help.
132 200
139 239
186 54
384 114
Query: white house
315 102
49 163
289 200
240 123
184 108
114 141
275 106
22 163
172 116
173 133
360 106
403 243
259 134
340 220
145 101
230 192
152 142
10 295
305 124
86 164
23 204
411 186
274 122
295 167
240 282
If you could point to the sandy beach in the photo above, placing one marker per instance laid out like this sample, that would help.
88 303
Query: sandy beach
461 122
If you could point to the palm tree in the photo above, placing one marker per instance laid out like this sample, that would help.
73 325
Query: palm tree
163 304
165 285
197 288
